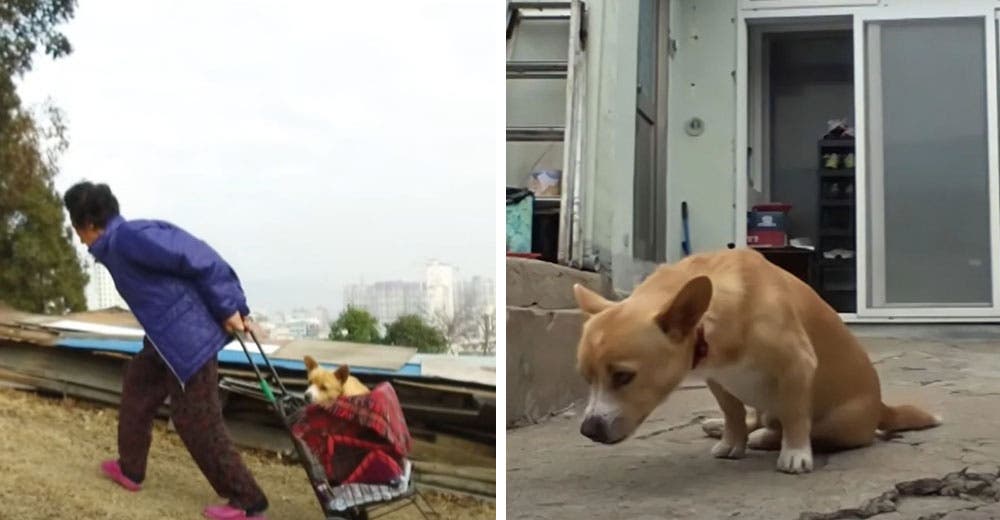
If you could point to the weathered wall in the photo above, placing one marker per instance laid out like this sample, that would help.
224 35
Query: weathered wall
609 138
543 328
700 169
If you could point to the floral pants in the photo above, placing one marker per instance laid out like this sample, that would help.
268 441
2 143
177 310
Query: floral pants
197 416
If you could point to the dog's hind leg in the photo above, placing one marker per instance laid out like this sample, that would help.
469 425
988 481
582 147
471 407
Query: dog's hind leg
713 427
768 436
767 439
850 425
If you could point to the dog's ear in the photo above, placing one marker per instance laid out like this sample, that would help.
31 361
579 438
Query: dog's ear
685 310
310 364
342 373
589 301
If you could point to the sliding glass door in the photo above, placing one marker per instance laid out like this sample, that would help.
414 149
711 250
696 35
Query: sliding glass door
928 186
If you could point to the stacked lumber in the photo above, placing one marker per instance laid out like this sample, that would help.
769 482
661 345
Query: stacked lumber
452 422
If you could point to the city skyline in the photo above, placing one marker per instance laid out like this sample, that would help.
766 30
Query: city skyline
442 294
100 292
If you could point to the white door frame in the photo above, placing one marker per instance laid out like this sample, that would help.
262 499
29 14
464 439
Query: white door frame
742 167
900 10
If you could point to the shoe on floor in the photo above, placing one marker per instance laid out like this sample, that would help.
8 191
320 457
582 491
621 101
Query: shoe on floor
113 470
228 512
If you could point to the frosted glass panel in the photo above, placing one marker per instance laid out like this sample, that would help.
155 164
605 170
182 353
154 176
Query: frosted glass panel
929 228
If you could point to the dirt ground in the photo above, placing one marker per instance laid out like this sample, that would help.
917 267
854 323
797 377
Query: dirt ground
50 449
665 470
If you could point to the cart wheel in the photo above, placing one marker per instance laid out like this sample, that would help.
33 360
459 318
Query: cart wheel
352 514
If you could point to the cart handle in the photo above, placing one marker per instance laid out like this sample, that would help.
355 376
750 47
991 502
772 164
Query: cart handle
264 386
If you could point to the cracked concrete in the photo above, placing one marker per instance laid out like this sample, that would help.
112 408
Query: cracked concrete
960 494
665 470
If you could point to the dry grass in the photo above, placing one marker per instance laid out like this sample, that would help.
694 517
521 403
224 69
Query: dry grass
50 449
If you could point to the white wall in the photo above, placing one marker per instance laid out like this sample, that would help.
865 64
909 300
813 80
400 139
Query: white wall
700 169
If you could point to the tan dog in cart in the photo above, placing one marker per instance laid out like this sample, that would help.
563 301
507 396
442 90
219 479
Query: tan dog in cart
759 336
326 386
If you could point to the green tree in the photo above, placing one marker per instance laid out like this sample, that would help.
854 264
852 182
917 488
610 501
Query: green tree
39 268
411 331
26 25
357 325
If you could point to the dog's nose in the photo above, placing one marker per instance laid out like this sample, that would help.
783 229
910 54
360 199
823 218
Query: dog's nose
595 429
307 397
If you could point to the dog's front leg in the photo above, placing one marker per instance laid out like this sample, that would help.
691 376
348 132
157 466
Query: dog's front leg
733 444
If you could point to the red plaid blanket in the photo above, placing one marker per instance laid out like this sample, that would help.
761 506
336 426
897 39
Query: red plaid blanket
361 439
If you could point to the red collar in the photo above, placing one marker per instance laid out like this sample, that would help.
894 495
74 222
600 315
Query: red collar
700 348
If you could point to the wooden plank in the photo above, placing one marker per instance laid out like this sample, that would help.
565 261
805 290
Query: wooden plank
264 438
462 389
440 411
343 352
112 399
17 334
452 450
79 368
16 386
60 387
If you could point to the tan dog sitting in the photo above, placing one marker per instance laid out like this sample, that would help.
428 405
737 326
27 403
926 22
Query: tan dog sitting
758 335
326 386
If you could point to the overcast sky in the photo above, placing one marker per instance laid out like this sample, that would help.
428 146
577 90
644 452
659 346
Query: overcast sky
312 143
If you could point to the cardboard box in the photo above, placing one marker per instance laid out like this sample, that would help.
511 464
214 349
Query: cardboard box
767 229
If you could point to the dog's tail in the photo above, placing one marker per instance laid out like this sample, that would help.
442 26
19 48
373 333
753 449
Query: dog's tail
906 417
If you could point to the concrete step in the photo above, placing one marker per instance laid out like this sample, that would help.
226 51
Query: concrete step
541 363
533 283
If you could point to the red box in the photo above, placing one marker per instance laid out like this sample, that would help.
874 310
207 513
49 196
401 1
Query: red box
767 225
766 238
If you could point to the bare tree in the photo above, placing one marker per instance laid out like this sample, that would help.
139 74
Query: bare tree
488 331
460 329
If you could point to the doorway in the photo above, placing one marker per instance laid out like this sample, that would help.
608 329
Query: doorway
802 149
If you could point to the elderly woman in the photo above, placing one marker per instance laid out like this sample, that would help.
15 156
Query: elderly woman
189 301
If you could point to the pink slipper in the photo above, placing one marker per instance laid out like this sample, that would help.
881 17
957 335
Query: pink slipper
114 471
228 512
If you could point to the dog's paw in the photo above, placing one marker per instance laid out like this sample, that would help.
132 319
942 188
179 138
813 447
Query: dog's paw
728 450
795 460
713 427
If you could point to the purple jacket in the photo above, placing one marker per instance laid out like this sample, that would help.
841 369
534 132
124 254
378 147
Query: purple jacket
178 287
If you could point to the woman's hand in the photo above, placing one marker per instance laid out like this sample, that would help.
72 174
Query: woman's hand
252 327
242 324
234 323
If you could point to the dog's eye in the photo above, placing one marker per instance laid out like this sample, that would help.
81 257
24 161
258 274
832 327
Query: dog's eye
620 378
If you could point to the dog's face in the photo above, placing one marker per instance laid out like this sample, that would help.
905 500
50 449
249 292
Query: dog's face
325 386
634 356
